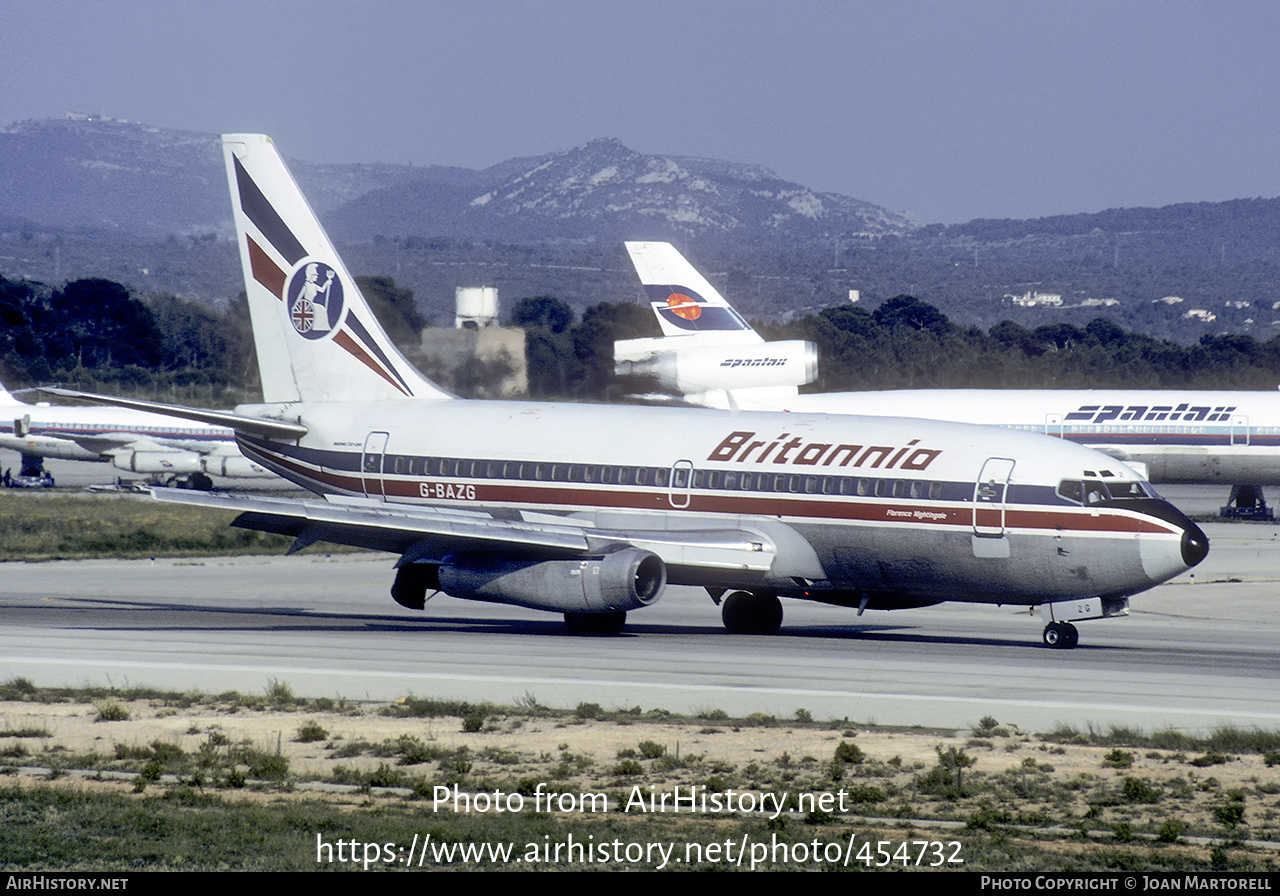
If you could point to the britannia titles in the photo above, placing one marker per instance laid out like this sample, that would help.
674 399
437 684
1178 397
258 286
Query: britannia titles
743 447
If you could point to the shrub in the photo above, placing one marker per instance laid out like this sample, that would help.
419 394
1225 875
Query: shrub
588 711
849 753
112 712
1139 790
1118 759
650 749
310 732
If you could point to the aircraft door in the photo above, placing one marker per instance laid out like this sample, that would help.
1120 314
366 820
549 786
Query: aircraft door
1239 429
1053 425
678 493
375 447
989 494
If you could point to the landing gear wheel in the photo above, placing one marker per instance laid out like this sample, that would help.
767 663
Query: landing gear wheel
412 582
1071 636
745 613
595 623
1061 635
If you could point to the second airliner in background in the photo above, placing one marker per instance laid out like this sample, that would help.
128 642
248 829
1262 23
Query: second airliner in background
709 353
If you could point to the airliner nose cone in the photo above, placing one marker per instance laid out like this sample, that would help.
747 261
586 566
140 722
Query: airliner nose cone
1195 544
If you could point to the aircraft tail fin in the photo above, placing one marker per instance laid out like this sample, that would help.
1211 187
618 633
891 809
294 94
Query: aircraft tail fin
684 301
317 339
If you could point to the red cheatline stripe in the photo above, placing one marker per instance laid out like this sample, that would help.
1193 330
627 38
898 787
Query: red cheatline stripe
569 497
265 271
344 339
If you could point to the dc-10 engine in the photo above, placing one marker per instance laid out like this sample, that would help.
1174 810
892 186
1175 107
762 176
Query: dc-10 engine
174 463
623 580
235 466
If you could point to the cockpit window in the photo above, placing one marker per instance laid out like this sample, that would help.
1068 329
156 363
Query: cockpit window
1122 490
1093 491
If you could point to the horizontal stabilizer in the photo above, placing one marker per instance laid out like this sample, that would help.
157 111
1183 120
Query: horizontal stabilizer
275 429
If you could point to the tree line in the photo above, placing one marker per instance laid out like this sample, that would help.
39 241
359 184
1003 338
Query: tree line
95 334
907 343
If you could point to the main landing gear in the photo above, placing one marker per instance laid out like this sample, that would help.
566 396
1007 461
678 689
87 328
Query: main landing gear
745 613
1247 503
1061 635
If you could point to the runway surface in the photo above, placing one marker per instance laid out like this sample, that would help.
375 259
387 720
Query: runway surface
1197 653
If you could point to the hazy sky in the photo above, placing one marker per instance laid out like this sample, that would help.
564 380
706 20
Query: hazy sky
946 110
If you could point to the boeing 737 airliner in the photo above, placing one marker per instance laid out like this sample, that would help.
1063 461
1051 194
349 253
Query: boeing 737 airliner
592 510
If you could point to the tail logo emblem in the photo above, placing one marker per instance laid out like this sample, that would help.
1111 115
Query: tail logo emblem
314 297
682 305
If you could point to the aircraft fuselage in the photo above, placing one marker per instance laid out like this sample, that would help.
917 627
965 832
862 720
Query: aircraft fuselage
899 511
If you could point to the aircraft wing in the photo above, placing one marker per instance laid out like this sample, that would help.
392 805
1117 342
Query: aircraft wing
425 533
103 442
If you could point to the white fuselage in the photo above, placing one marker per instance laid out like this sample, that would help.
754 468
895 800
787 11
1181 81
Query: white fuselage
132 440
1180 436
907 510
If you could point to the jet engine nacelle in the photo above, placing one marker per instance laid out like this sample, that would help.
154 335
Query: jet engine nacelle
728 367
235 467
624 580
170 462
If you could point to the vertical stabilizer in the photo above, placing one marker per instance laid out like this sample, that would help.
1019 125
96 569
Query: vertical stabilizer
316 338
684 301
